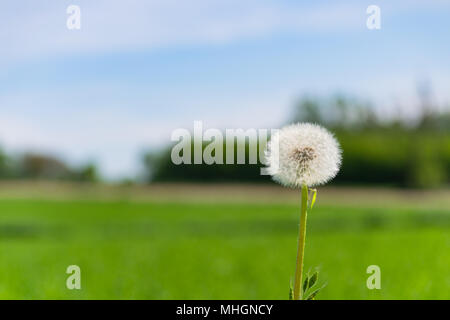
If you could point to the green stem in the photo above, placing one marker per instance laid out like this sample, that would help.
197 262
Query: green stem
301 246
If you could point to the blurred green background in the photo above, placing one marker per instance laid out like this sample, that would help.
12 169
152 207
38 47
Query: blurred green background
219 242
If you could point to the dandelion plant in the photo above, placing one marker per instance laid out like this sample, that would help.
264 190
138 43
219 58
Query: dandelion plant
303 156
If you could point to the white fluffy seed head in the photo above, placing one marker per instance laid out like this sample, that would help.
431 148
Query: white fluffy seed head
303 154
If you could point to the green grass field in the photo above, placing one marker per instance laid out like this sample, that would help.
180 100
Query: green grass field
201 250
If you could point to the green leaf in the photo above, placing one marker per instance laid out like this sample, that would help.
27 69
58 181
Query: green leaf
305 283
313 279
313 294
313 199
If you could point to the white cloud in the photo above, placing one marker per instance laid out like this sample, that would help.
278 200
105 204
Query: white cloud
30 28
33 28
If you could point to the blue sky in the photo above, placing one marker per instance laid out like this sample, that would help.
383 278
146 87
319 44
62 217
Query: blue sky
137 70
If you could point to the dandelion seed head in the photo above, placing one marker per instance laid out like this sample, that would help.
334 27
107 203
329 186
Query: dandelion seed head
303 154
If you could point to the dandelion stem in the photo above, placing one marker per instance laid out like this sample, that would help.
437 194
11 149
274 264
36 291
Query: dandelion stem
301 245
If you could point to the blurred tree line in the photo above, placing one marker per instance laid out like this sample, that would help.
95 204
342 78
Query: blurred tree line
376 150
380 151
44 167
